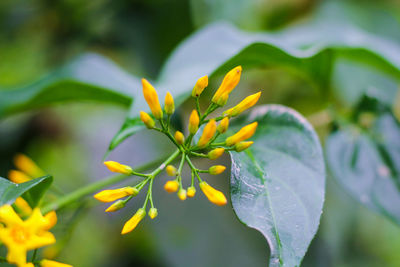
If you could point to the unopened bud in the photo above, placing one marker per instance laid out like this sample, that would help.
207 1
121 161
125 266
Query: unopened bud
117 205
191 191
243 145
111 195
153 213
147 120
200 85
134 221
194 122
118 167
208 133
213 195
217 169
171 186
246 103
169 106
179 137
171 170
216 153
182 194
223 125
245 133
151 97
229 83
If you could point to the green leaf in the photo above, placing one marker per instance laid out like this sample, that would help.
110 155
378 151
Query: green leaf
88 78
278 185
308 50
365 158
32 190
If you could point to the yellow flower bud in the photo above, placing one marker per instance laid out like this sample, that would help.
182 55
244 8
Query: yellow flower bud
147 120
208 133
191 191
200 85
182 194
51 220
171 186
217 169
179 137
50 263
213 195
216 153
18 177
23 206
169 104
223 125
117 205
229 83
28 166
118 167
153 213
111 195
150 94
221 101
243 134
194 122
171 170
243 145
134 221
246 103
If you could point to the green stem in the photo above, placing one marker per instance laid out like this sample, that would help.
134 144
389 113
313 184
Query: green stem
194 169
180 169
96 186
198 106
199 154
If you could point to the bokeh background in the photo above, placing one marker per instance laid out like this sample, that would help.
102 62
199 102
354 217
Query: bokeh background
69 141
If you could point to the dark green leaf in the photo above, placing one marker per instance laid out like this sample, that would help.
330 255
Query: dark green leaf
89 77
278 185
32 190
308 50
365 159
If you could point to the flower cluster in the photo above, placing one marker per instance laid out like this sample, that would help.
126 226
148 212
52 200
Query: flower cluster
206 146
18 235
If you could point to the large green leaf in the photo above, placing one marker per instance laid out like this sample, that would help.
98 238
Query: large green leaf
308 50
89 77
365 159
32 190
278 185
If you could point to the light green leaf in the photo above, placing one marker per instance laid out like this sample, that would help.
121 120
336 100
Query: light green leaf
278 185
308 50
365 159
88 78
32 190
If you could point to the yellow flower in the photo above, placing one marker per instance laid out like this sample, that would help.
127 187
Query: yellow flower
20 236
223 125
117 205
246 103
213 195
18 177
229 83
111 195
171 186
50 263
182 194
169 104
150 94
216 153
194 122
118 167
26 165
171 170
134 221
243 134
243 145
179 137
199 86
147 120
153 213
208 133
217 169
191 191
